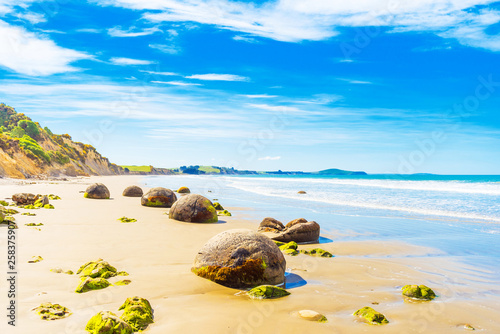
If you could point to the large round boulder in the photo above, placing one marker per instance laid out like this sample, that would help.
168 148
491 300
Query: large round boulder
159 197
133 191
240 259
97 191
194 209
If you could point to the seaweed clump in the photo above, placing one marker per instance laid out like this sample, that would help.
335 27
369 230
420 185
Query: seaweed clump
267 292
250 270
106 322
49 311
421 292
137 312
372 316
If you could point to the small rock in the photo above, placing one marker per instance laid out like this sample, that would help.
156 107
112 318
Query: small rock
267 292
469 327
56 270
49 311
127 220
99 268
106 322
183 190
217 206
372 316
420 292
35 259
224 213
123 282
312 316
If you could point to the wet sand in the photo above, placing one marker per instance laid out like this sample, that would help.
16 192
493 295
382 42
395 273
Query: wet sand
158 254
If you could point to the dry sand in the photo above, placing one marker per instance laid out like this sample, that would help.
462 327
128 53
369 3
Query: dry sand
158 253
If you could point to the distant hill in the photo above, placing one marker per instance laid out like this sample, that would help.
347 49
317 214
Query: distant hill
28 150
334 171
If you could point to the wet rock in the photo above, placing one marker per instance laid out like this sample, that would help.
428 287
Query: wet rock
271 225
159 197
133 191
106 322
89 284
98 268
97 191
312 316
193 208
299 230
372 316
24 198
137 312
183 190
217 206
421 292
224 213
267 292
240 259
49 311
317 252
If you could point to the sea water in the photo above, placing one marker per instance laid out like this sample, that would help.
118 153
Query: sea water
459 215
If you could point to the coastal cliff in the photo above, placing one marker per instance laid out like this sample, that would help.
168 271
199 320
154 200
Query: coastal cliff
28 150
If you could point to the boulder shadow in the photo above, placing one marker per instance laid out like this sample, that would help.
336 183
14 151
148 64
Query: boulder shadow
293 281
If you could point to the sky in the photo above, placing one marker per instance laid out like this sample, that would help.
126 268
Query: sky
383 86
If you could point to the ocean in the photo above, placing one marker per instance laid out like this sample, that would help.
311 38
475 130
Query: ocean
458 215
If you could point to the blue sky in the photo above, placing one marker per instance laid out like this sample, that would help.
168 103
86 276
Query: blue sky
381 86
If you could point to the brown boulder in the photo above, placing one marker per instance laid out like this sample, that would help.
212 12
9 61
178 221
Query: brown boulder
298 230
133 191
194 209
159 197
240 259
271 225
24 198
97 191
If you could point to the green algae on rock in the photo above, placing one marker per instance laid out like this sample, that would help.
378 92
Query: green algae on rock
99 268
193 208
183 190
267 292
312 316
97 191
33 224
48 206
89 283
53 197
127 220
420 292
106 322
9 211
123 282
35 259
4 203
224 213
372 316
137 312
289 248
60 271
28 214
49 311
317 252
122 273
217 206
30 207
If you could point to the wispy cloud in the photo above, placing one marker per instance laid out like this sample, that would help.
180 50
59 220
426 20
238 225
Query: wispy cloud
129 61
159 73
32 17
356 82
217 77
170 49
89 30
260 96
132 32
177 83
270 158
28 53
247 39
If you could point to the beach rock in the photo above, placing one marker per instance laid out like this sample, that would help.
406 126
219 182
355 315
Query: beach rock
317 252
267 292
98 268
106 322
289 248
193 208
217 206
372 316
240 259
138 313
271 225
89 283
35 259
159 197
224 213
49 311
312 316
133 191
24 198
183 190
97 191
421 292
41 201
301 192
48 206
299 230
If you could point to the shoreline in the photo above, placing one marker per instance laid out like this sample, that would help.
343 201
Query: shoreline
158 253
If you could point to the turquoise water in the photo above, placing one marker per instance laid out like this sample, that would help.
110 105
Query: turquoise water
459 215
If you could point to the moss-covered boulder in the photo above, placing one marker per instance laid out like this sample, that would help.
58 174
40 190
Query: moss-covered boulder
89 284
271 225
98 268
133 191
24 198
290 248
224 213
317 252
240 259
312 316
183 190
194 209
267 292
421 292
49 311
159 197
217 206
137 312
106 322
299 230
371 316
97 191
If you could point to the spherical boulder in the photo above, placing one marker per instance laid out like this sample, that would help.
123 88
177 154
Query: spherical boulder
183 190
159 197
240 259
271 225
133 191
194 209
97 191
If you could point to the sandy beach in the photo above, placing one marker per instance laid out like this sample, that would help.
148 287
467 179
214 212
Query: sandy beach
158 254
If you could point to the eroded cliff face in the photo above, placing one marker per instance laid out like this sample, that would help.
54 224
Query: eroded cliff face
28 150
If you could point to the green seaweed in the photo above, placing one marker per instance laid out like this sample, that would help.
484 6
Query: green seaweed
10 211
86 195
372 316
138 313
53 197
49 311
225 213
251 270
267 292
28 214
99 268
217 206
291 245
127 220
123 282
33 224
4 203
89 283
317 252
420 292
106 322
48 206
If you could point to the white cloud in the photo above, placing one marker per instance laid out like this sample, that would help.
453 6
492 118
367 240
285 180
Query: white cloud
89 30
177 83
298 20
132 32
260 96
245 39
170 49
356 82
32 17
270 158
28 53
159 73
217 77
129 61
